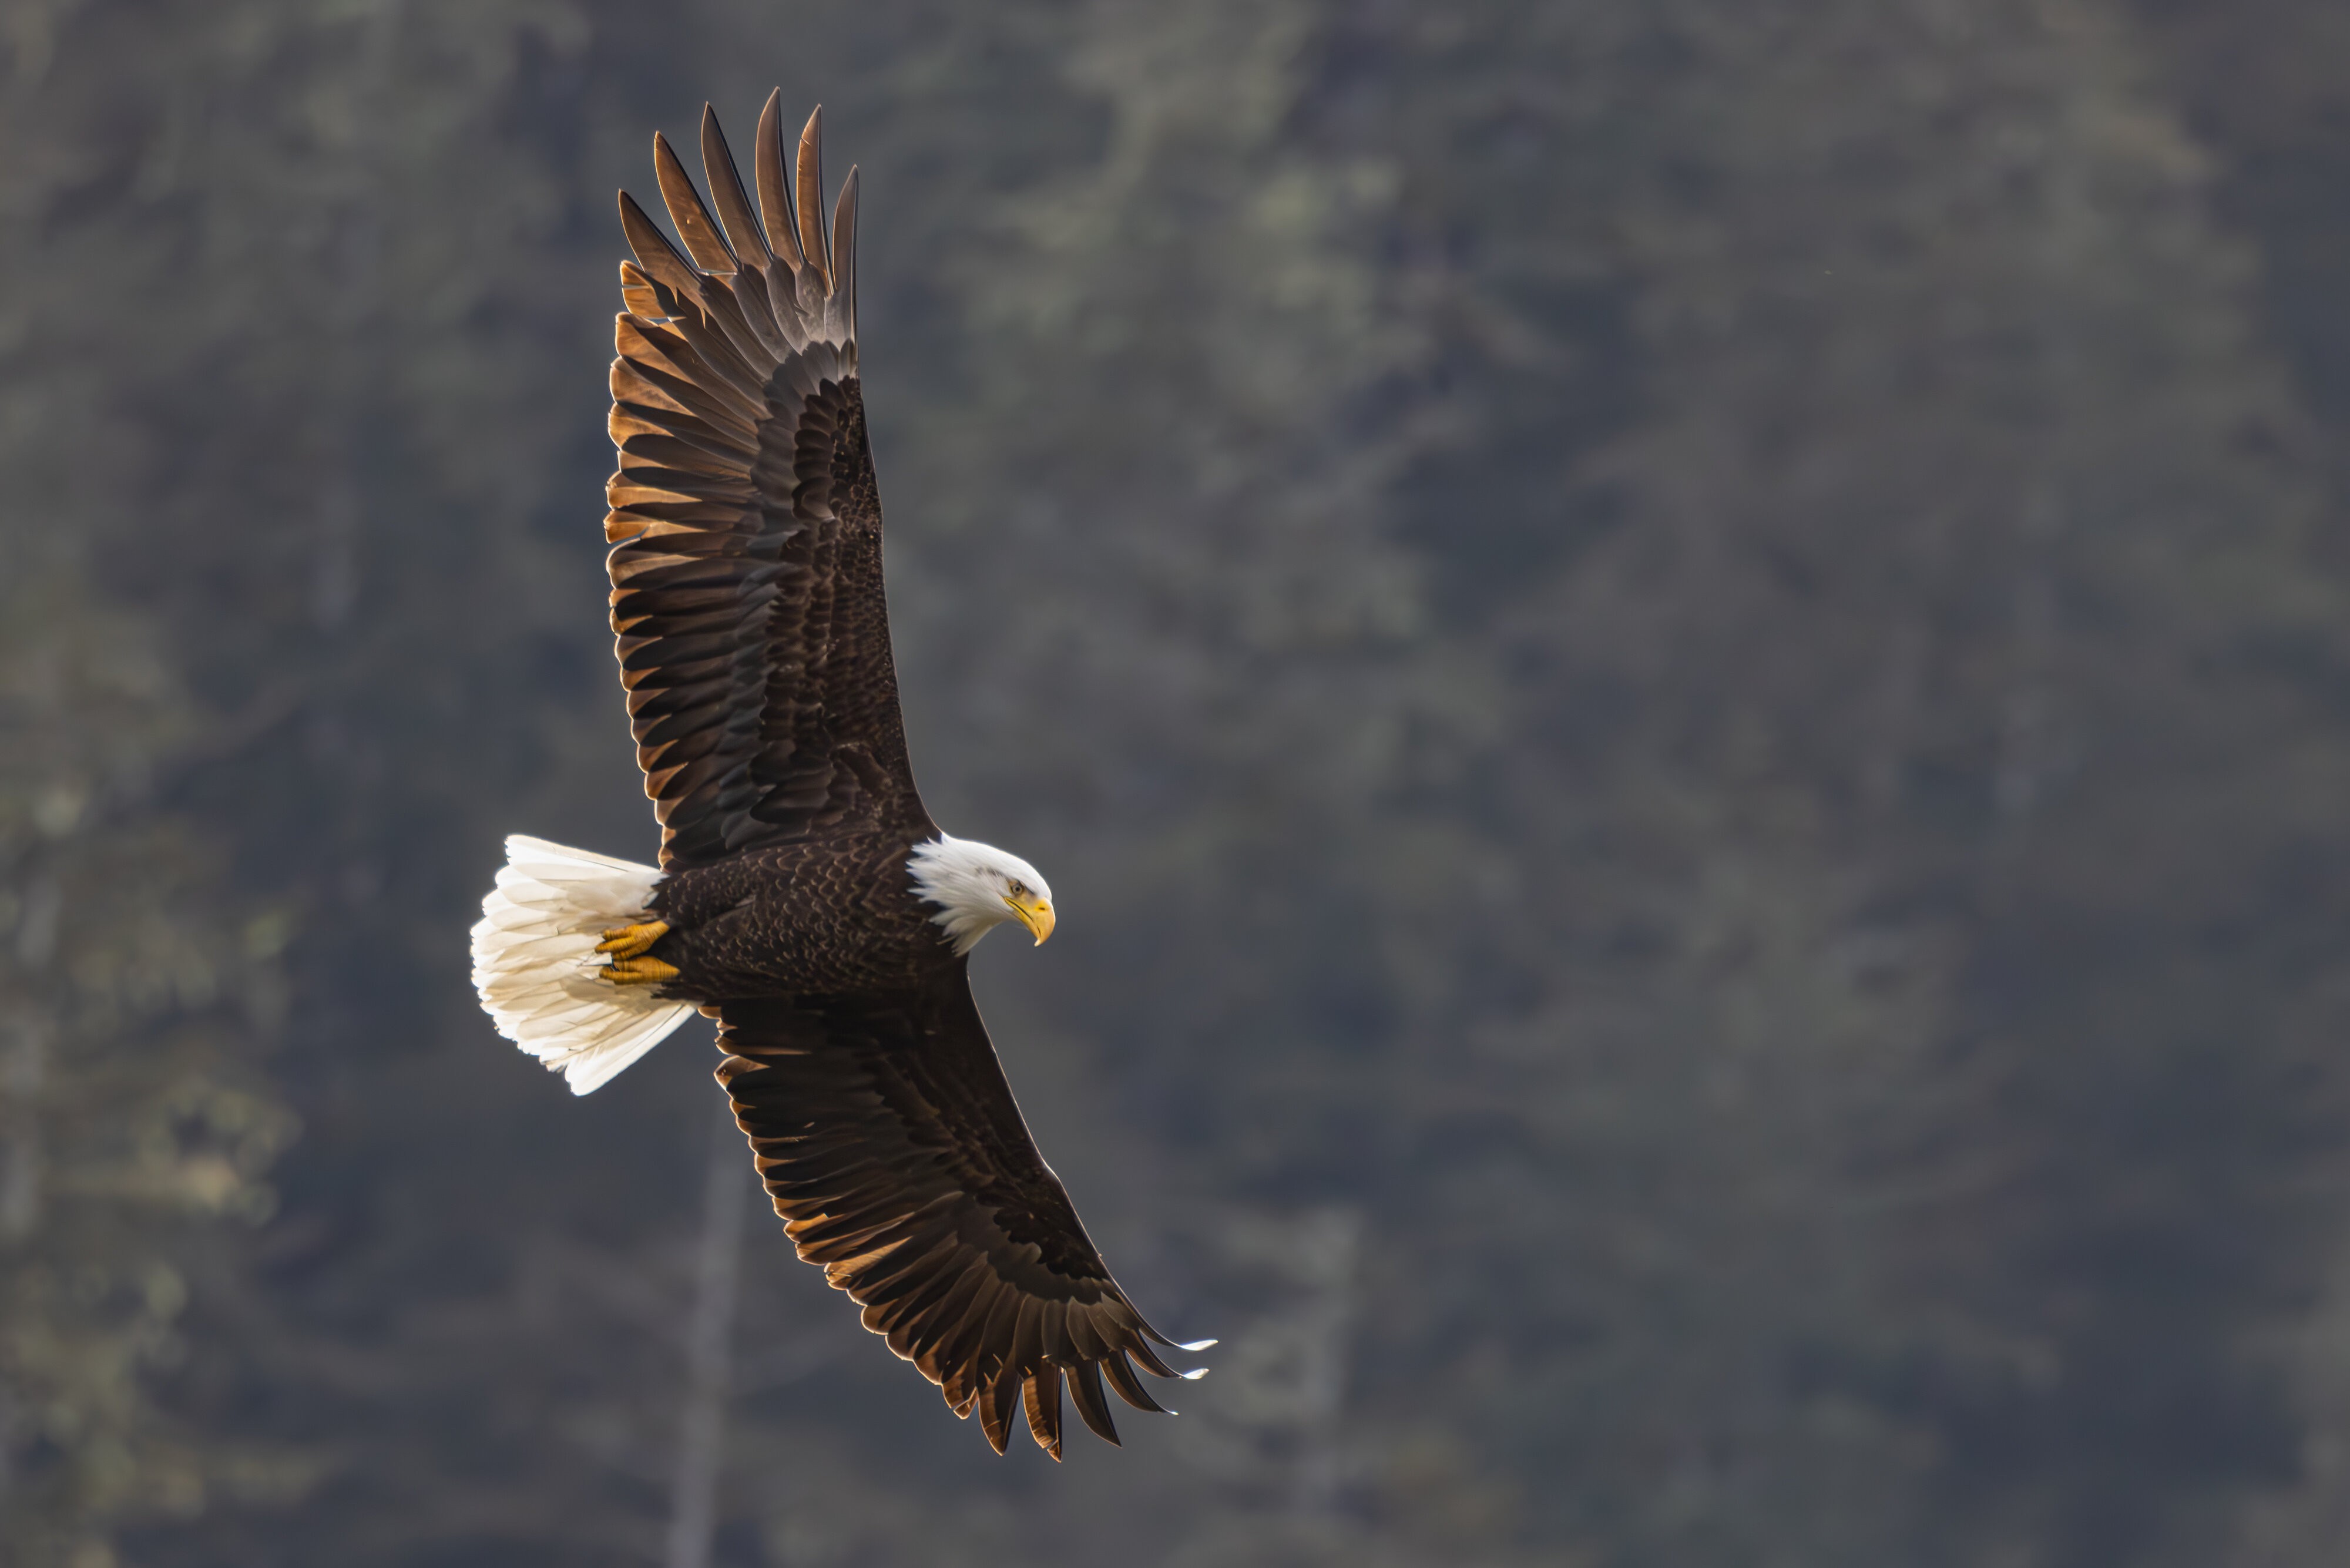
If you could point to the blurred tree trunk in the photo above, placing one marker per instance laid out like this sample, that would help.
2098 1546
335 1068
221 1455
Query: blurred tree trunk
709 1348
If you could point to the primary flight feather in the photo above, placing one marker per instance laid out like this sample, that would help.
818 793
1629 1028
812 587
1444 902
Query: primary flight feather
804 899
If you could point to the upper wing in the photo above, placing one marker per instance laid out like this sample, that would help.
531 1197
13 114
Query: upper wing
754 638
889 1141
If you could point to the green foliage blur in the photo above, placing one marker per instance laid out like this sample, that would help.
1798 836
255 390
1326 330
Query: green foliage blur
1683 667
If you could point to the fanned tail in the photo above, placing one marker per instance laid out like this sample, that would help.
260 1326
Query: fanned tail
535 961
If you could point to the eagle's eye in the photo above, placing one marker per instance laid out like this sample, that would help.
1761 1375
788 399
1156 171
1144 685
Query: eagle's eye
1019 890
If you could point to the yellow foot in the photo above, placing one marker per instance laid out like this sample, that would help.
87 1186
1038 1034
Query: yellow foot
637 971
627 941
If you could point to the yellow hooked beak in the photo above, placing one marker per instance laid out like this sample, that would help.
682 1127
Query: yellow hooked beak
1035 913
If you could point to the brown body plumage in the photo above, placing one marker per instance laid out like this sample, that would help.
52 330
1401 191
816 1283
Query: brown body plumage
833 914
754 643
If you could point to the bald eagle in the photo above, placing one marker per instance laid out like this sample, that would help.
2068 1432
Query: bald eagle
804 899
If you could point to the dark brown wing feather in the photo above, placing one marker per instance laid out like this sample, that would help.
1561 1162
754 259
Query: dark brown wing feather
889 1141
754 637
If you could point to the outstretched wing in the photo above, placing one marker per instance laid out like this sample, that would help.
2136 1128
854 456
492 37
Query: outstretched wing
754 638
889 1141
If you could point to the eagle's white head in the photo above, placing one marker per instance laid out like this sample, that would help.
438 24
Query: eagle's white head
977 887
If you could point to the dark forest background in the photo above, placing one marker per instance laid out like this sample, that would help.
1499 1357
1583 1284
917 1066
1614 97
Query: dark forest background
1683 667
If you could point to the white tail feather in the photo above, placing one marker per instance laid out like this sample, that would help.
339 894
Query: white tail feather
535 961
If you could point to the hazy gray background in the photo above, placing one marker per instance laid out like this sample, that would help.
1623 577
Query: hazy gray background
1682 665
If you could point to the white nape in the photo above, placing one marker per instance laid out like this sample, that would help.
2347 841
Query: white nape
968 882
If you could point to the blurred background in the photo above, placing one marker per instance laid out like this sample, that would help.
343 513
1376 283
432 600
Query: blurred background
1682 666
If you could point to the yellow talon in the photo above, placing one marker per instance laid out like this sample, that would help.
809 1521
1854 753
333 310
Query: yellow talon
627 941
637 971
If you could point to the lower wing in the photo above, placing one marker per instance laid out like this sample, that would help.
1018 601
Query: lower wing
889 1141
